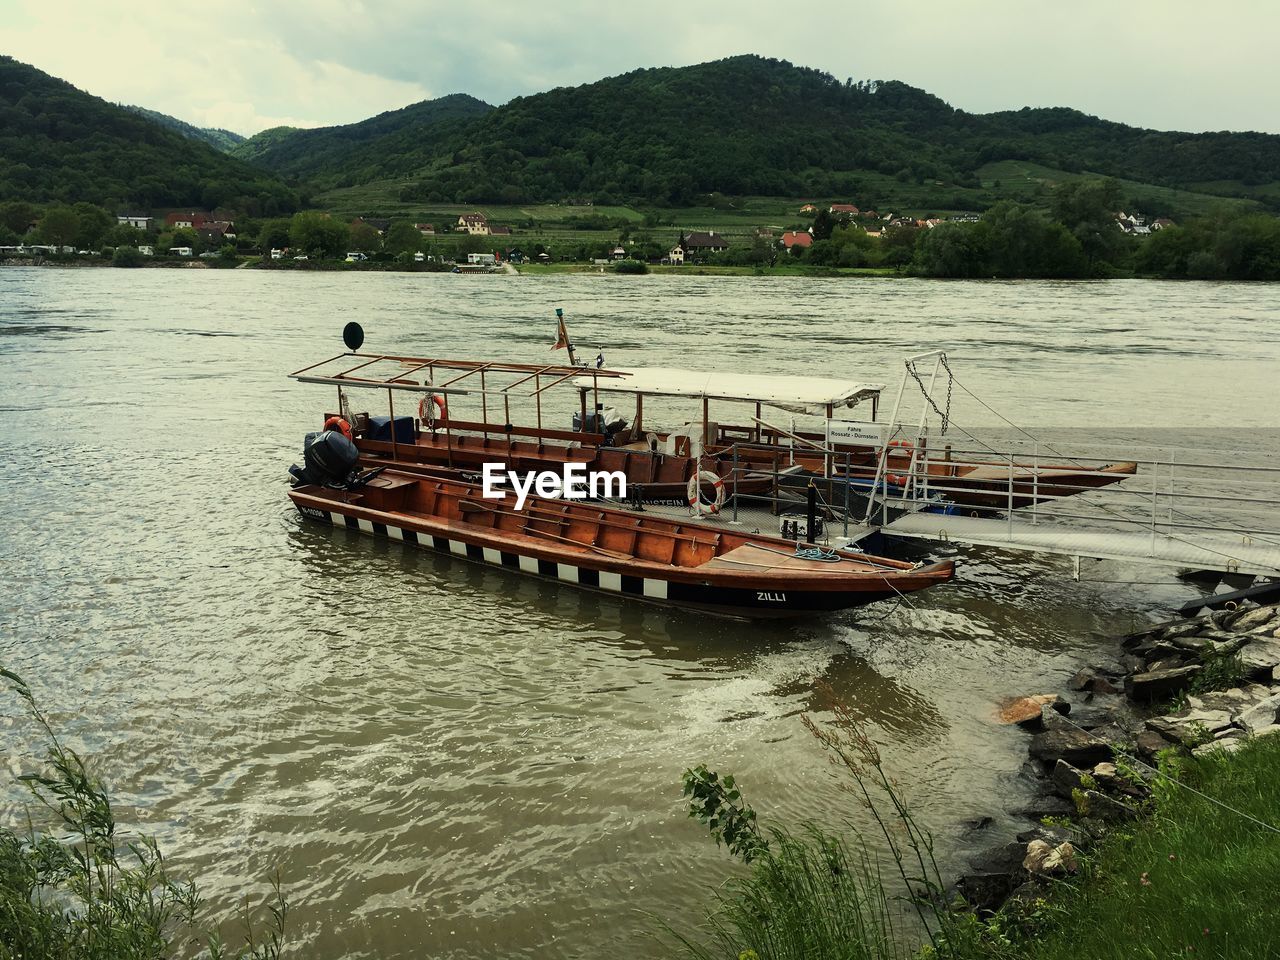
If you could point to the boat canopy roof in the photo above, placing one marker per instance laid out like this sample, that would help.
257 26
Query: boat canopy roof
797 394
440 374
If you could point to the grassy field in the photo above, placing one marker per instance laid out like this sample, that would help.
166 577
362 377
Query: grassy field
741 216
1030 183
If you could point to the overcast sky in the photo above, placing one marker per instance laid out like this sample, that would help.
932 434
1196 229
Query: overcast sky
1168 64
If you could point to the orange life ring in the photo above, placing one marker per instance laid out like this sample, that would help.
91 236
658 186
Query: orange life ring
694 492
432 409
339 424
898 479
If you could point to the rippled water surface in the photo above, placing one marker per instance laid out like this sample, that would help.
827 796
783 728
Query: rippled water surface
450 761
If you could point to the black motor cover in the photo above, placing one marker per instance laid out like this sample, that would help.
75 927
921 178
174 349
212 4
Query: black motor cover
329 458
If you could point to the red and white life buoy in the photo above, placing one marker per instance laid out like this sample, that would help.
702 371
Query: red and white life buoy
339 424
694 492
433 409
907 447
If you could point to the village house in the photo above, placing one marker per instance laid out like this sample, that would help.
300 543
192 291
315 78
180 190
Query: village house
377 223
1159 223
426 229
1132 223
843 210
797 238
701 242
495 231
139 221
475 224
214 234
808 208
192 220
618 253
187 221
514 255
676 255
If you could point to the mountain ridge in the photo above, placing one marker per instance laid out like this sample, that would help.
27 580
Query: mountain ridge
216 137
742 125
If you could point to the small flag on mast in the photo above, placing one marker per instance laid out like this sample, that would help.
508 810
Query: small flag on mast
562 334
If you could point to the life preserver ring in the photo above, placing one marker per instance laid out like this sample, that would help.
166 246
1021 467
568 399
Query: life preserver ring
339 424
900 479
432 409
694 492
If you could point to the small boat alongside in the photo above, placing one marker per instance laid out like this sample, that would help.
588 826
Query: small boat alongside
648 558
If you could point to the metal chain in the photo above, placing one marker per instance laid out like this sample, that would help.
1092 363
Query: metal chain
944 415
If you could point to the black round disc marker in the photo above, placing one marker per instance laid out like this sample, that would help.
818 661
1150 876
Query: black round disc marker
353 335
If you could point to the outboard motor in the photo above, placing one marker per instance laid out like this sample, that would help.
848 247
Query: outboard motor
329 460
605 420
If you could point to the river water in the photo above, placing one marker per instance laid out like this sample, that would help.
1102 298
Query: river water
450 761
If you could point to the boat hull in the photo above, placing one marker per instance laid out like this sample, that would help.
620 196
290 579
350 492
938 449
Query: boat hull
735 593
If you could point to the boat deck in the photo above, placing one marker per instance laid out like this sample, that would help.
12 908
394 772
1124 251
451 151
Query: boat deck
774 561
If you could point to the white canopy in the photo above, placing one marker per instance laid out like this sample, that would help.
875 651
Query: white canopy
797 394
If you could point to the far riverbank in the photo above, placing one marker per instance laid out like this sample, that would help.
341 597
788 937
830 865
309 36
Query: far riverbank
525 269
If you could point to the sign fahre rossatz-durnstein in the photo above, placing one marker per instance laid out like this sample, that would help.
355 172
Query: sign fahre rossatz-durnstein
573 482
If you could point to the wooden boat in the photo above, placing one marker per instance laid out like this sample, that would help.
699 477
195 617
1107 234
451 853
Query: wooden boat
648 558
972 484
977 483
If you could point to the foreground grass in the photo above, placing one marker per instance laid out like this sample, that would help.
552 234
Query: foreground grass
1192 880
77 885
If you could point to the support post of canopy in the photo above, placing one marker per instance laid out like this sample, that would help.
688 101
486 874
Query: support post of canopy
391 409
484 407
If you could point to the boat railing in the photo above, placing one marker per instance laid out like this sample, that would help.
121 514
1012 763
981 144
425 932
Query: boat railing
1190 501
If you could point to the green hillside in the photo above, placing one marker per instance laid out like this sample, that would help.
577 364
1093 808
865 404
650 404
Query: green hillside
254 147
58 143
749 126
392 144
216 137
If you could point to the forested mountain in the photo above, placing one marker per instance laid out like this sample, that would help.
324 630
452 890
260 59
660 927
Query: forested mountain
58 143
745 125
264 141
391 144
216 137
